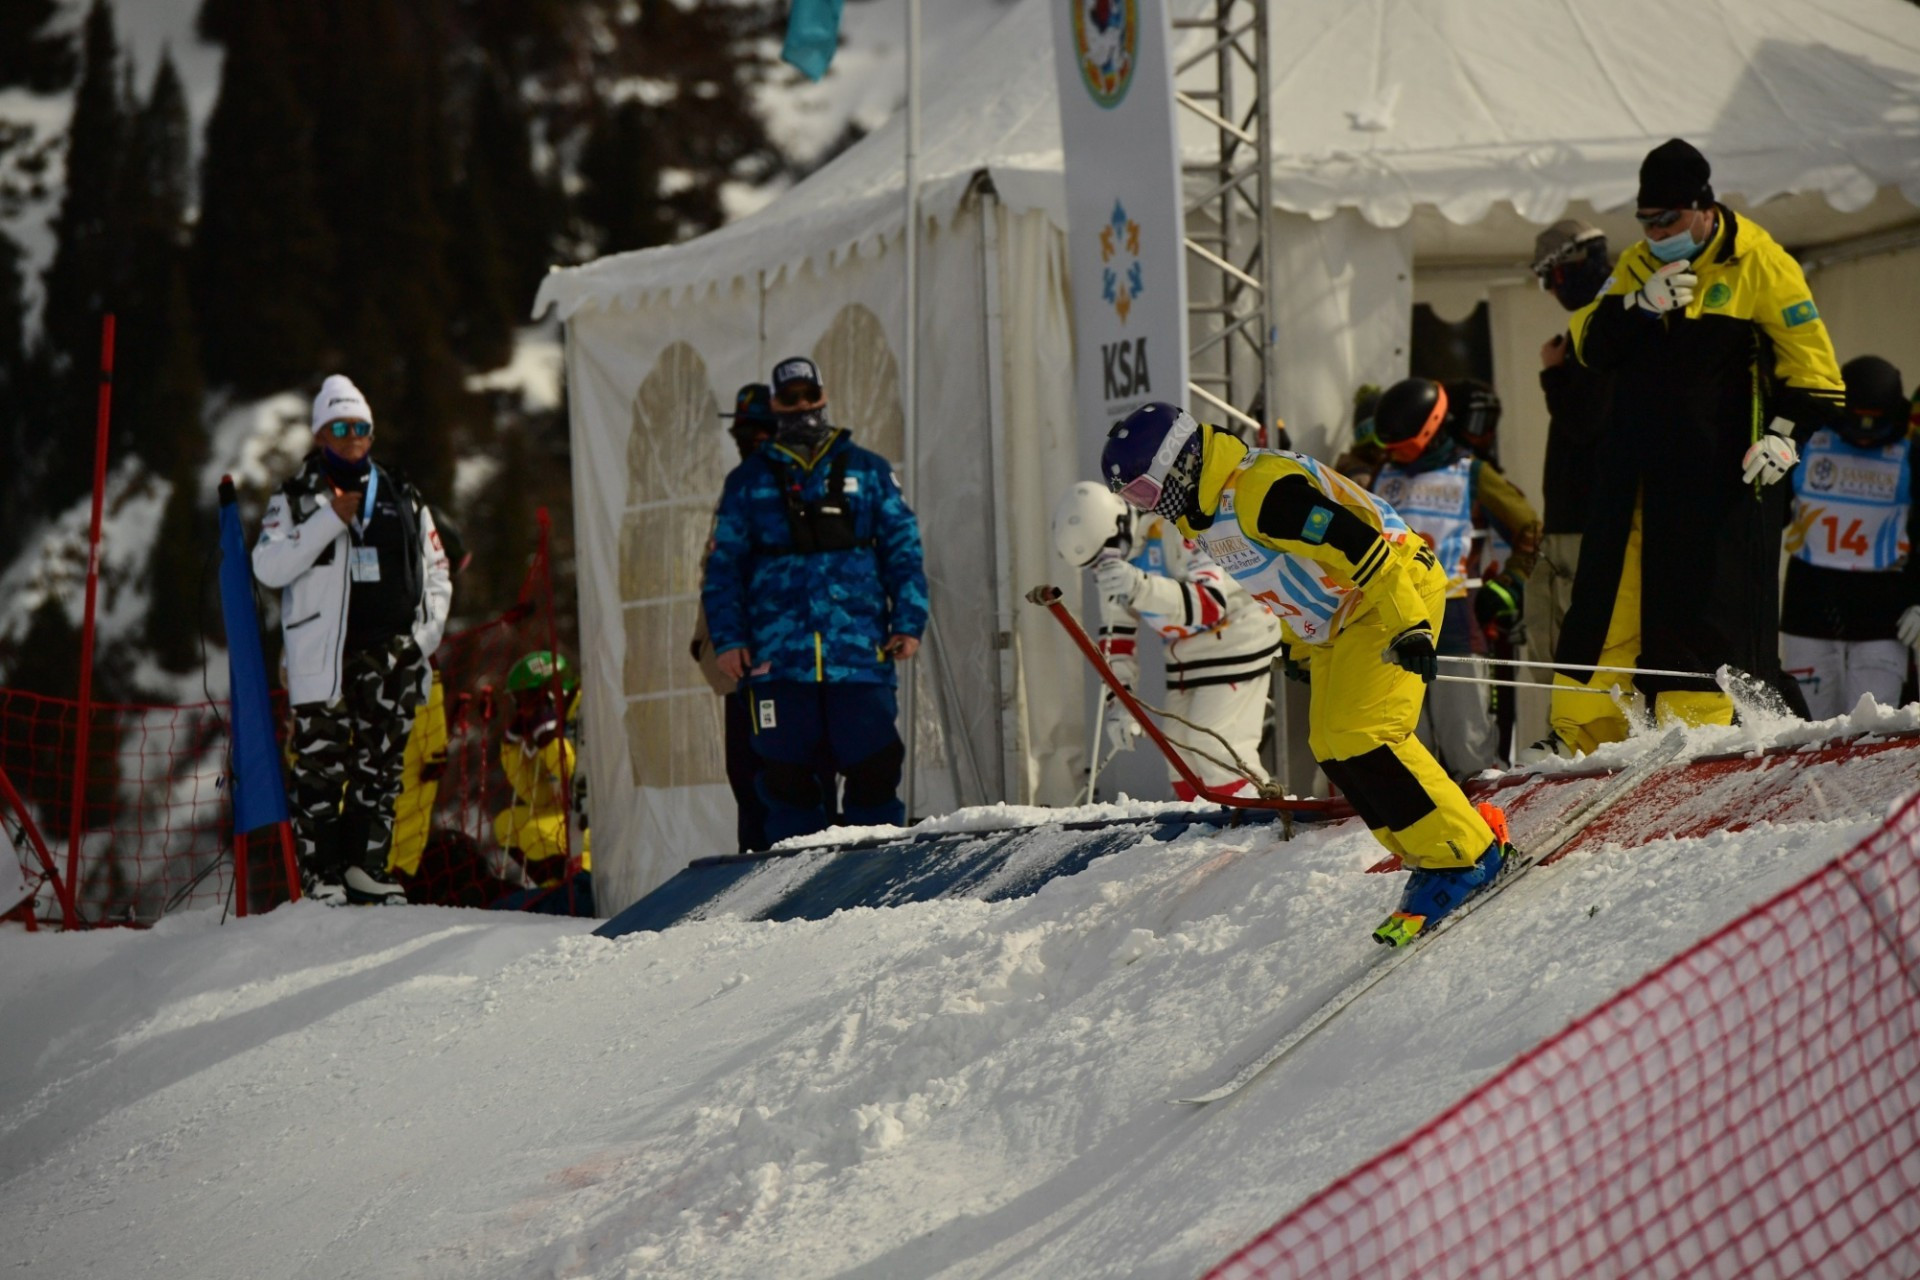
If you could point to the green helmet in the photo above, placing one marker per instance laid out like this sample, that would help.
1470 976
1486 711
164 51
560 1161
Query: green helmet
536 670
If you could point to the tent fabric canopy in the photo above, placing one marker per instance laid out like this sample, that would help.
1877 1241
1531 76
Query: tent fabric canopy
1385 106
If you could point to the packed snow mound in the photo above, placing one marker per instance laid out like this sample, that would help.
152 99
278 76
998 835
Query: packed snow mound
951 1088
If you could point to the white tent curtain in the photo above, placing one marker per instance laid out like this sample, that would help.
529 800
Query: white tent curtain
649 381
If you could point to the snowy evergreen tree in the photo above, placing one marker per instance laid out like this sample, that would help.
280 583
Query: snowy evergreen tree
80 279
263 255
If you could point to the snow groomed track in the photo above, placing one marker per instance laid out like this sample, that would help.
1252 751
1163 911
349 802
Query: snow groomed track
982 854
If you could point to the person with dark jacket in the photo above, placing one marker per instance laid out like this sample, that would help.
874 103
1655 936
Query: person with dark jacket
1852 608
814 591
751 425
364 597
1570 260
1722 367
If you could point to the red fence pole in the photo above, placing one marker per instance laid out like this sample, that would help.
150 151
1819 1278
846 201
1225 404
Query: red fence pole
69 913
85 727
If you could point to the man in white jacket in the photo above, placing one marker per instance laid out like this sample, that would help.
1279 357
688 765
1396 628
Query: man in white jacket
364 595
1220 641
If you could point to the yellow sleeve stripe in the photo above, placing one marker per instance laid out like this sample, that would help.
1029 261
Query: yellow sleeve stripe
1370 564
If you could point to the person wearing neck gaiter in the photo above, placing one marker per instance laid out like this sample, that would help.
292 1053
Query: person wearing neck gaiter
815 593
365 590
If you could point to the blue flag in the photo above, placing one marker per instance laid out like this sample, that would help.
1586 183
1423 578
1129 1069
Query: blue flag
259 794
813 33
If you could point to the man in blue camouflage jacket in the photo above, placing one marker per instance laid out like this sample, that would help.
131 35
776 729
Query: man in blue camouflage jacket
814 590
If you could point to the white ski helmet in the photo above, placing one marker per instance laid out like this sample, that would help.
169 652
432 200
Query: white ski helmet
1090 519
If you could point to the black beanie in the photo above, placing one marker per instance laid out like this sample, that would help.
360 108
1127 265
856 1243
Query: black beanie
1873 384
1674 176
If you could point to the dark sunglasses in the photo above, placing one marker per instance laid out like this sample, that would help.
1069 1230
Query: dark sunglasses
797 395
340 429
1660 221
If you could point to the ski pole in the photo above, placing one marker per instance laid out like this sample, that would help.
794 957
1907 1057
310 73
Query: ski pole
1093 747
1049 598
1524 684
1576 666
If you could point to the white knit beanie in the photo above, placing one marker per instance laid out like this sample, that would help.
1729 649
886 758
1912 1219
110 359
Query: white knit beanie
340 399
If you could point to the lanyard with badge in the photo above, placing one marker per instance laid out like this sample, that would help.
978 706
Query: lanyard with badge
364 564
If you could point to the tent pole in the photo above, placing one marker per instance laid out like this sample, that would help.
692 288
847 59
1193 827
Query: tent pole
1012 787
910 381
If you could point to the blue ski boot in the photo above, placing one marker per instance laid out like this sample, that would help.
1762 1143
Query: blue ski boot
1433 893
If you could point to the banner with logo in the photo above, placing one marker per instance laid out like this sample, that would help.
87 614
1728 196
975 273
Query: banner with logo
1114 60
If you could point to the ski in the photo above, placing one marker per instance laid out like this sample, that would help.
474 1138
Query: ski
1562 833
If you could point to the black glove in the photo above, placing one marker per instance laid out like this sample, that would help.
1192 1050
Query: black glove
1292 668
1413 649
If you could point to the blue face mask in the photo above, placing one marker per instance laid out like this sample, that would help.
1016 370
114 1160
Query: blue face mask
1675 247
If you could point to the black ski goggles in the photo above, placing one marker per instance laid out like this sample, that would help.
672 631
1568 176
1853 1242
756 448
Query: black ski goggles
799 395
341 428
1660 220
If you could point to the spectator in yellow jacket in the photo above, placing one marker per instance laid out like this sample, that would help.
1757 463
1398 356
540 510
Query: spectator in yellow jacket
543 767
1722 370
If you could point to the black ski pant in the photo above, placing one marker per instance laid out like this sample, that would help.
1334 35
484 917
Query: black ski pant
346 762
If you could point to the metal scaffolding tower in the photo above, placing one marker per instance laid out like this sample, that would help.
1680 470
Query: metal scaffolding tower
1230 302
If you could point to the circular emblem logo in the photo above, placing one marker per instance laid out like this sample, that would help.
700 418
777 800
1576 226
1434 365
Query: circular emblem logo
1822 474
1718 295
1106 36
1393 489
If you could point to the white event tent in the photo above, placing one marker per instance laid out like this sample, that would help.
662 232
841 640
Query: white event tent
1420 146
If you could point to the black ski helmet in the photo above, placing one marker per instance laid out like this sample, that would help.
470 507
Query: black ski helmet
1473 416
1877 408
1409 416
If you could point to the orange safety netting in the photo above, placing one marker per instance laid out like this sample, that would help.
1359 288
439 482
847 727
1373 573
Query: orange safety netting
157 828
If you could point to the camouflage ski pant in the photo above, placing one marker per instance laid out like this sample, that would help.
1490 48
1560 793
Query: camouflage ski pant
346 762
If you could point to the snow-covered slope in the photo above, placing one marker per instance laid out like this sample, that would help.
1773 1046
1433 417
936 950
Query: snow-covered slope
948 1089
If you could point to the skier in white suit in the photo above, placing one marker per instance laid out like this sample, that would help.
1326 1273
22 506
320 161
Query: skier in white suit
1220 641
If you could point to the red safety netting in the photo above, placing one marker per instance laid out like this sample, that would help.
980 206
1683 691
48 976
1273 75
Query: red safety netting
156 832
1750 1110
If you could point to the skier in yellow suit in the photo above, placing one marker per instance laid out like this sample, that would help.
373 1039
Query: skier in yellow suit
1362 596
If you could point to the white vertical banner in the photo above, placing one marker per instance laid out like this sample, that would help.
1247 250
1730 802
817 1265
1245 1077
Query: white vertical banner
1114 60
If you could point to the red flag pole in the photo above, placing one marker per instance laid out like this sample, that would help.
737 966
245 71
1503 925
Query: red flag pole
85 727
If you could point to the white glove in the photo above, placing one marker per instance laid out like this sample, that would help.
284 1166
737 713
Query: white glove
1771 456
1119 580
1125 668
1908 628
1669 287
1122 729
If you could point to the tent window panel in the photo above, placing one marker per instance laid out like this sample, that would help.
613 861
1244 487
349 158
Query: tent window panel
657 657
676 741
662 547
699 739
